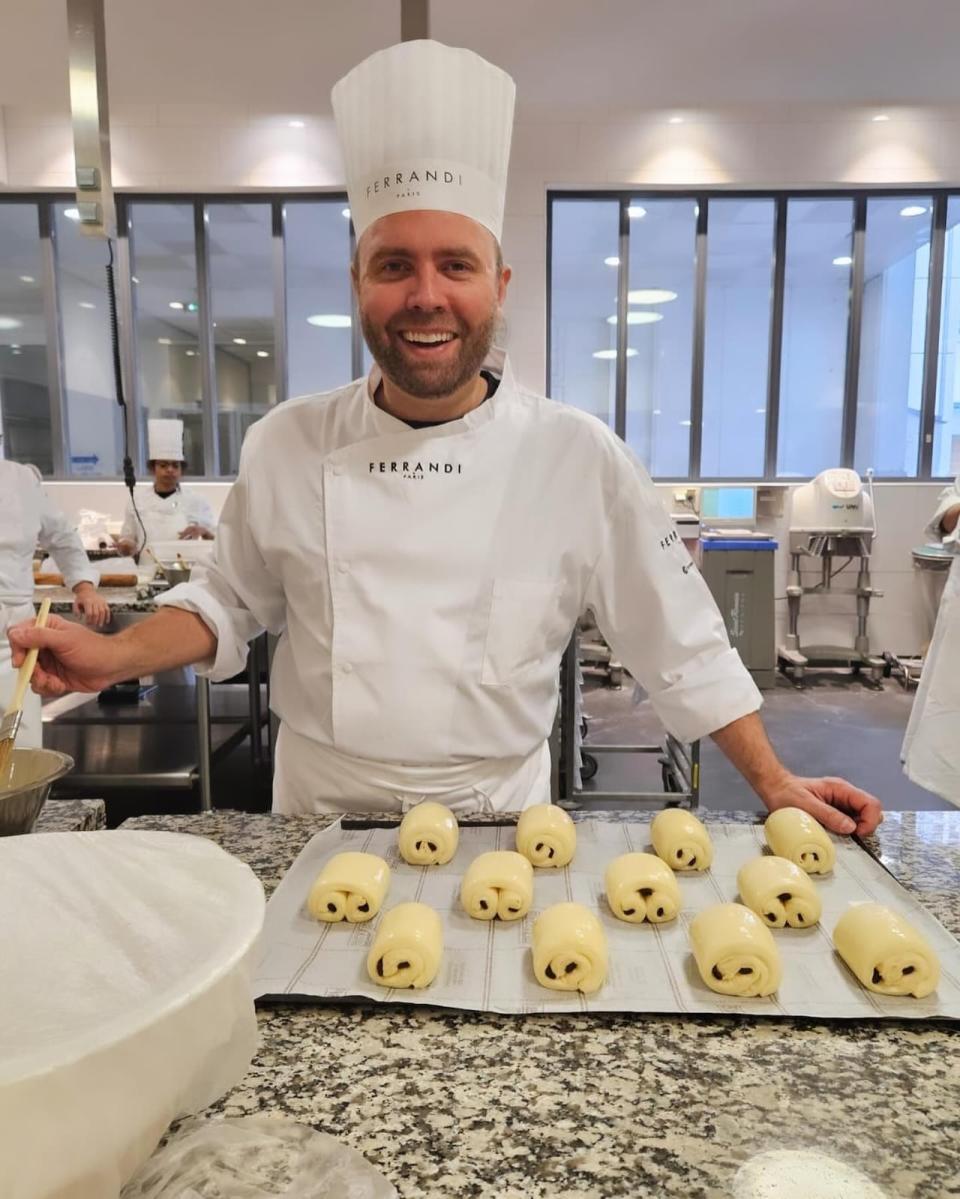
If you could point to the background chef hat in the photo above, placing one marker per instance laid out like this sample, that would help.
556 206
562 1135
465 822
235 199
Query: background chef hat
165 440
425 126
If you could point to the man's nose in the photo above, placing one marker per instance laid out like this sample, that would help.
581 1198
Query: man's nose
425 291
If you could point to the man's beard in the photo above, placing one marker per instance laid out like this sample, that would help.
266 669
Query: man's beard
425 380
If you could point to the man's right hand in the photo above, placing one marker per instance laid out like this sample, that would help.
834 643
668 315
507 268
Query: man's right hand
72 658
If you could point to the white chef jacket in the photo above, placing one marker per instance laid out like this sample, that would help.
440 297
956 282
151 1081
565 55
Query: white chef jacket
28 519
165 517
425 582
931 746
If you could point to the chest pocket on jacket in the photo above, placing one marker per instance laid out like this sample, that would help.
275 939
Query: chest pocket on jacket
525 621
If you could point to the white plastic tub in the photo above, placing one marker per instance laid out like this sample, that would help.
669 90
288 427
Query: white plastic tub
125 961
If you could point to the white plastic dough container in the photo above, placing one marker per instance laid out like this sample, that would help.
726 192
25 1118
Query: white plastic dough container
125 963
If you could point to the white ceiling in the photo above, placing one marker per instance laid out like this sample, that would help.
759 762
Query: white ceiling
567 56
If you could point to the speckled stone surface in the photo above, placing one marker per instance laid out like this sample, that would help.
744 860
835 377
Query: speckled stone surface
120 599
460 1104
71 816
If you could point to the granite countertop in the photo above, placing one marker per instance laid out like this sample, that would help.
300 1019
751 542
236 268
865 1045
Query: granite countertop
71 816
120 599
464 1104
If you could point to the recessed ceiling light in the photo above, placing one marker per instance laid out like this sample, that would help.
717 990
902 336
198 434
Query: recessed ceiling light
296 124
656 412
345 212
86 304
676 120
14 345
263 353
843 260
613 261
638 318
178 304
9 322
881 116
72 214
651 295
686 423
239 341
27 279
913 210
191 353
760 411
134 278
611 354
635 211
329 320
164 341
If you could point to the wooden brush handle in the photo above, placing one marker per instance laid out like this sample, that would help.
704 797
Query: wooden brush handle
25 672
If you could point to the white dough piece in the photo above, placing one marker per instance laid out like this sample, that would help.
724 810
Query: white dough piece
546 835
641 887
408 947
351 886
569 949
499 883
429 835
886 952
779 892
681 840
794 834
735 952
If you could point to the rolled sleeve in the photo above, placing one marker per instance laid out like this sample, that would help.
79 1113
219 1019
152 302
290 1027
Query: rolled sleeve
59 537
658 616
235 594
949 498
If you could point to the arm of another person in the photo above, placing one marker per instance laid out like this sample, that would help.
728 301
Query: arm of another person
659 617
59 537
202 521
944 522
206 623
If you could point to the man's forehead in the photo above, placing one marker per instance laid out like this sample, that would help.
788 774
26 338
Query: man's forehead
425 231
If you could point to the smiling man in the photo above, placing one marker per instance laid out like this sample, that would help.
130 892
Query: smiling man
425 539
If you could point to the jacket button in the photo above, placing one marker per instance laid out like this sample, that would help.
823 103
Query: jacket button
343 567
346 668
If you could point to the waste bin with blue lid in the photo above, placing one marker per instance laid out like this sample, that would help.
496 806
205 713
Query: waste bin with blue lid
739 573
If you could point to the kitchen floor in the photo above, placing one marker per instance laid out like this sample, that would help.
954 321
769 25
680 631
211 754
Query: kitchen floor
833 725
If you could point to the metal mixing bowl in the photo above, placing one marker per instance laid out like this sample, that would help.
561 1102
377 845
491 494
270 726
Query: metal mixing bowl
25 787
176 573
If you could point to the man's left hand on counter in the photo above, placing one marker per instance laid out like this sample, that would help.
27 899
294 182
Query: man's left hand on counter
837 804
196 533
90 604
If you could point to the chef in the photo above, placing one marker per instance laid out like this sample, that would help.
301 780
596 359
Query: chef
28 519
425 539
168 512
931 747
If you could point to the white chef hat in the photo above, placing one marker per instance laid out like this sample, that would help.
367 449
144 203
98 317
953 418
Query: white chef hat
165 440
425 126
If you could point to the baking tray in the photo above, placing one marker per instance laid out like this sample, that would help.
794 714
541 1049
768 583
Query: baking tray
487 967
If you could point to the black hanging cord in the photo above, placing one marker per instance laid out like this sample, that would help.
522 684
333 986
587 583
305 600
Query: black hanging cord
129 478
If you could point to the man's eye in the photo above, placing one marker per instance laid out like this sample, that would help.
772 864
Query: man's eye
458 267
393 268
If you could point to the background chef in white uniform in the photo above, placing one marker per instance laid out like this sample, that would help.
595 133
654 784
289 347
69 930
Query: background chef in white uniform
425 539
169 512
931 747
28 519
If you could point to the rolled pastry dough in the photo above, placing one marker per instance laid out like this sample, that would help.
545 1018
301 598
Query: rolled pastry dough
734 951
352 886
779 892
546 835
428 835
569 949
885 952
794 834
499 883
681 840
408 947
642 887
